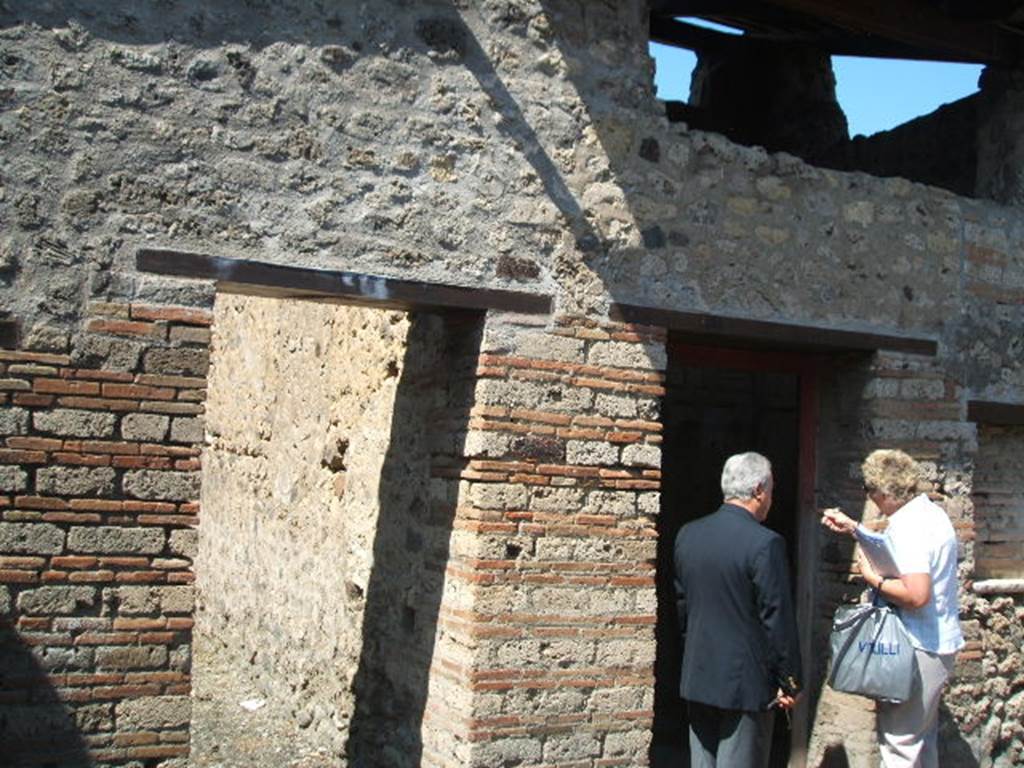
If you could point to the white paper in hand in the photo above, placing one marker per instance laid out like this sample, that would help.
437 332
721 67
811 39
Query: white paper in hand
878 549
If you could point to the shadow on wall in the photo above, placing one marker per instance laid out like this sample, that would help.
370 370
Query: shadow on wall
410 551
953 748
834 757
36 729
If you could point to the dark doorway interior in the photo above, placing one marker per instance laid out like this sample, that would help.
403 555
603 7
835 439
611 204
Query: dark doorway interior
716 405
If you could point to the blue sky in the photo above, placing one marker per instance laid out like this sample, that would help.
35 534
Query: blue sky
875 94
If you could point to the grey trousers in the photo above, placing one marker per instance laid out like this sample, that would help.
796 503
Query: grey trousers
908 732
729 738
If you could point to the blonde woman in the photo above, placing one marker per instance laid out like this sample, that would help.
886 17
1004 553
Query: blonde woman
925 592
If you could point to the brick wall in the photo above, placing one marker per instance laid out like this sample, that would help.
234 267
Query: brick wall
552 562
999 503
100 482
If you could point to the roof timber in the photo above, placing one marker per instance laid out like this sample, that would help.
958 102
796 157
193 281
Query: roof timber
980 31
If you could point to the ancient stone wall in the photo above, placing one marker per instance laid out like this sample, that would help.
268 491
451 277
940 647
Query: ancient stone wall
99 498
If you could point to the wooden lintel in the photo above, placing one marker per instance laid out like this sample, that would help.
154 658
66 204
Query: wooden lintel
279 281
669 31
735 330
995 413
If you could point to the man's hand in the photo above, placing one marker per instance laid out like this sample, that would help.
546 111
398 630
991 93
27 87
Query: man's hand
782 701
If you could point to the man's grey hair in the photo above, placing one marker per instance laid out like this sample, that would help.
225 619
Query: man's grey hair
743 474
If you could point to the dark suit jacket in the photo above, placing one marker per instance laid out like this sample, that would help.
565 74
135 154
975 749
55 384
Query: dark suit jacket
740 642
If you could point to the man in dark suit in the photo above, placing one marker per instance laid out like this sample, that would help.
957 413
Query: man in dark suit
741 656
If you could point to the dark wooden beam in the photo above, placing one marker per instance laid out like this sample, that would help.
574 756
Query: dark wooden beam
995 413
284 282
676 33
917 24
720 329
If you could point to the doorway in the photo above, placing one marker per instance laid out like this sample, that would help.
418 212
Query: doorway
719 402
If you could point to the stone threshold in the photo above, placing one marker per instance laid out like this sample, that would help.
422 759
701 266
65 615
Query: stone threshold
998 587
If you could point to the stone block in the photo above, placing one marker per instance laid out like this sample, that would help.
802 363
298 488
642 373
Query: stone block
514 750
13 421
69 422
187 430
5 599
75 481
31 539
61 658
495 495
490 445
591 452
177 599
546 346
564 500
184 542
617 503
13 479
576 745
106 352
622 354
133 600
162 486
111 539
615 406
641 455
181 361
626 743
45 601
131 657
153 713
150 427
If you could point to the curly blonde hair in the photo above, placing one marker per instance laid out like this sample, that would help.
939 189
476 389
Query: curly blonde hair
892 473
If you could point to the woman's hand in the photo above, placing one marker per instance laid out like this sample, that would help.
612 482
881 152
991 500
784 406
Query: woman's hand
838 521
867 570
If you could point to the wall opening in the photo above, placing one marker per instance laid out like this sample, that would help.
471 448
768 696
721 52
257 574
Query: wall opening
999 503
717 403
325 528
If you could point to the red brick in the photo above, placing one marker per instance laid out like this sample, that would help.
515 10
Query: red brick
91 373
96 505
11 456
143 462
71 517
105 446
127 328
157 507
138 391
107 638
181 577
125 691
153 449
64 387
141 577
156 380
15 561
158 638
123 622
44 358
39 502
33 400
86 460
99 404
10 576
180 623
124 562
187 315
33 623
90 577
625 437
34 443
188 465
54 577
72 561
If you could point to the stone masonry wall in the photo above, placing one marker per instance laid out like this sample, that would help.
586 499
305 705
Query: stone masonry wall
100 484
300 409
999 503
552 558
501 144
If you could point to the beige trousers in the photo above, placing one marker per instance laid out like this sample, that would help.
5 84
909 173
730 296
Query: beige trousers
908 732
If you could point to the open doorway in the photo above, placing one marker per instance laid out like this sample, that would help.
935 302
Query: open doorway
720 402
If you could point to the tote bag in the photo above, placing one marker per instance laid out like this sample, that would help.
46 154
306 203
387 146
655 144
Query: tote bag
871 653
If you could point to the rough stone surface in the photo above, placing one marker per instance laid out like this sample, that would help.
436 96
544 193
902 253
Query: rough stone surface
31 538
13 479
67 422
150 427
75 481
150 712
114 539
164 486
55 600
